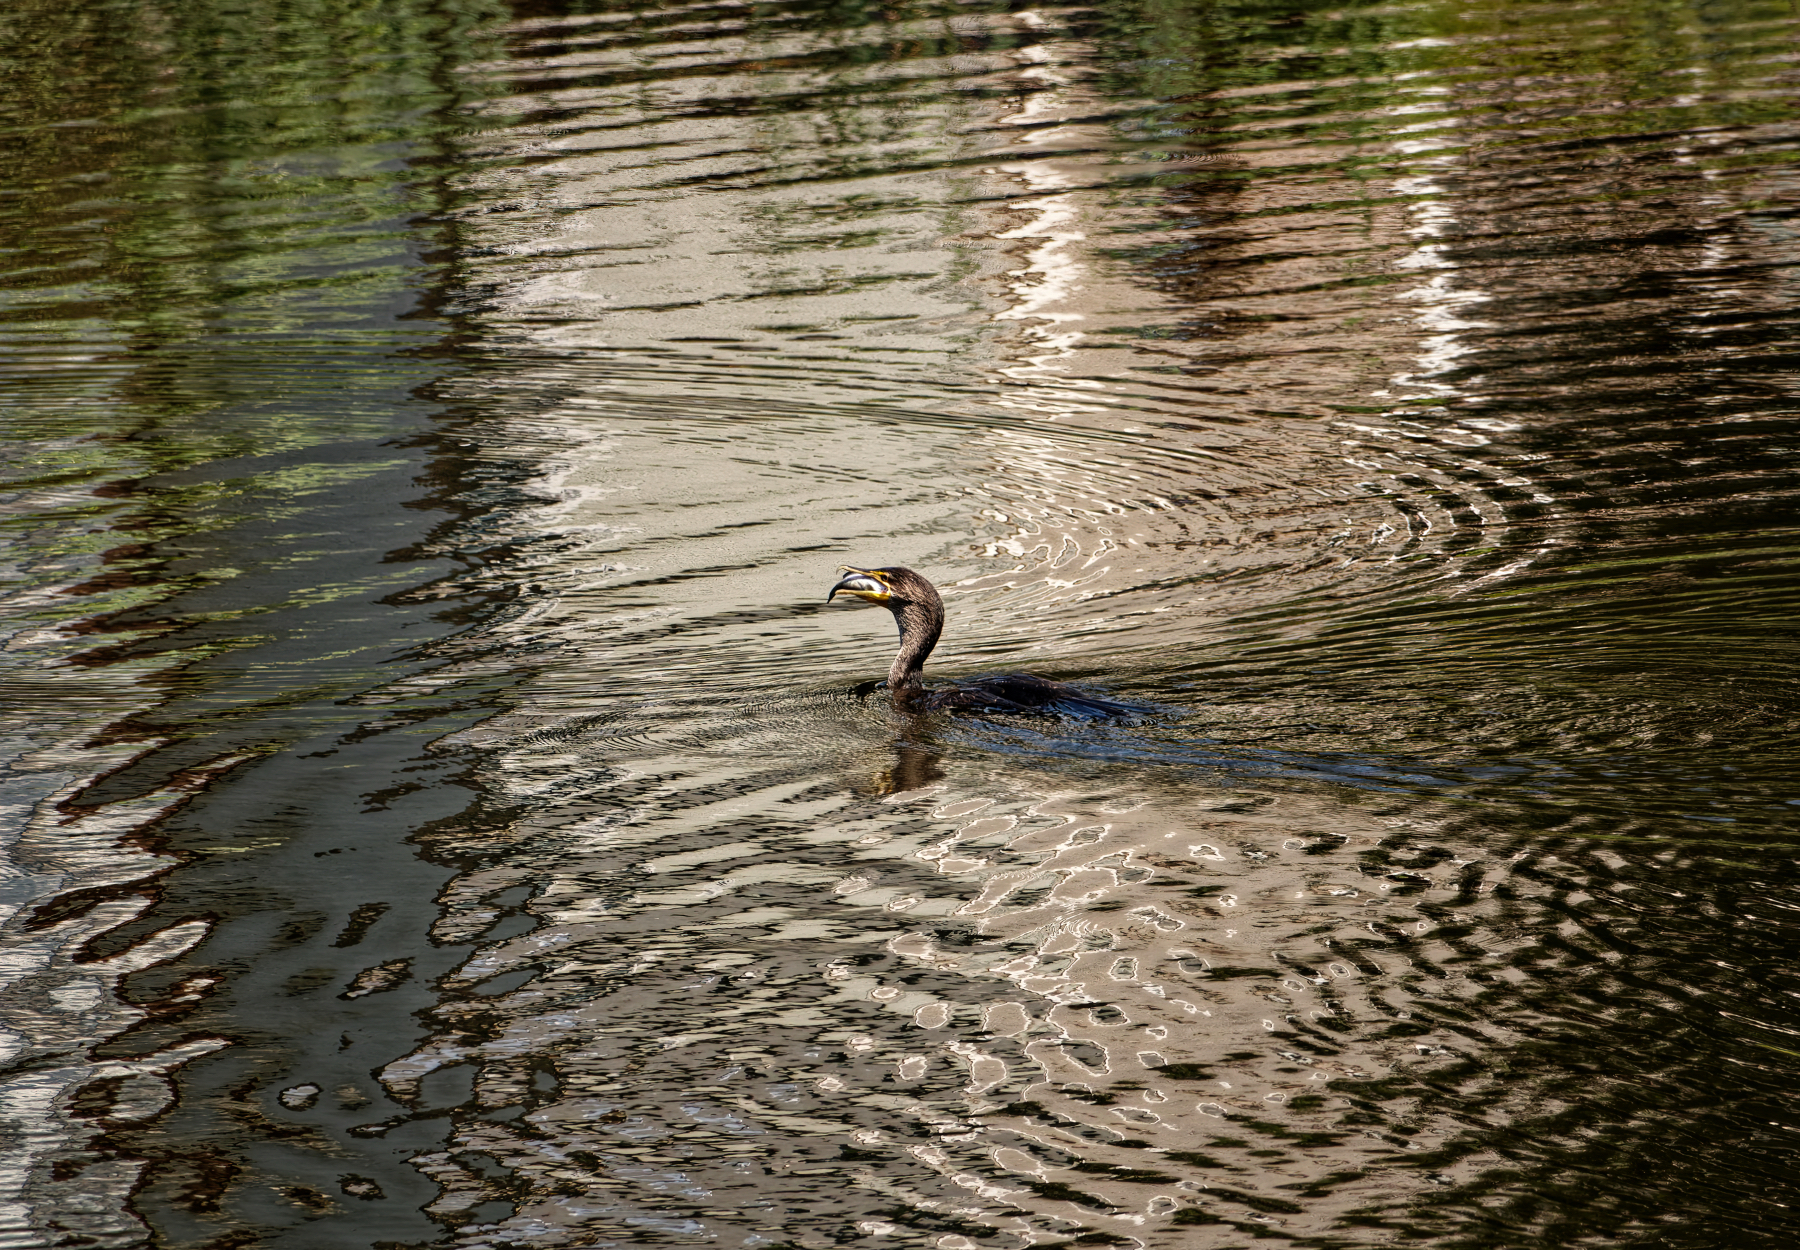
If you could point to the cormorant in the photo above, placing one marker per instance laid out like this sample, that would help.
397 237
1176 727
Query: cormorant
919 612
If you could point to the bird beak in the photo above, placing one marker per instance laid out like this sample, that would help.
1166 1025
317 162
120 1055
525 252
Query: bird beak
861 583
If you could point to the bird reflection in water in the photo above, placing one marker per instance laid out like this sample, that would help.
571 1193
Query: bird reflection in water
915 767
919 612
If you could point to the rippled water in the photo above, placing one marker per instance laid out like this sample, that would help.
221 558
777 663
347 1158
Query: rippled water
443 810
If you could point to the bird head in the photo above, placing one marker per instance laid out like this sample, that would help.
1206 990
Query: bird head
917 609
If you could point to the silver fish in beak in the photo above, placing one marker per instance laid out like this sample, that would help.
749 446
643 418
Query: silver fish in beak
863 583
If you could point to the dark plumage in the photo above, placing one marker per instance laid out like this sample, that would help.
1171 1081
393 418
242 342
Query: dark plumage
919 612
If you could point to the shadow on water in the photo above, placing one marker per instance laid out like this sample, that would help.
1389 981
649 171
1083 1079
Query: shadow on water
435 816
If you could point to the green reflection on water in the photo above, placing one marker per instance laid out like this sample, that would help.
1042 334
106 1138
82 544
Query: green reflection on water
214 237
184 172
1530 72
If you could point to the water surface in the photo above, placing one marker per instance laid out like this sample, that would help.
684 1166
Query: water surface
443 811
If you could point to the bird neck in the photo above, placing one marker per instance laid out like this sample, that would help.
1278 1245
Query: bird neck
920 626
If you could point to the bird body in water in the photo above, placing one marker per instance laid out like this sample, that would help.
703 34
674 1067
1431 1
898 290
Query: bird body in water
919 612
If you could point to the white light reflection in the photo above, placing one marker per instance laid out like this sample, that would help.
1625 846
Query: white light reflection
1054 271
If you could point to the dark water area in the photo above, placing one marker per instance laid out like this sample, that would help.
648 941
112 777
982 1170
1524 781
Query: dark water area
441 808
